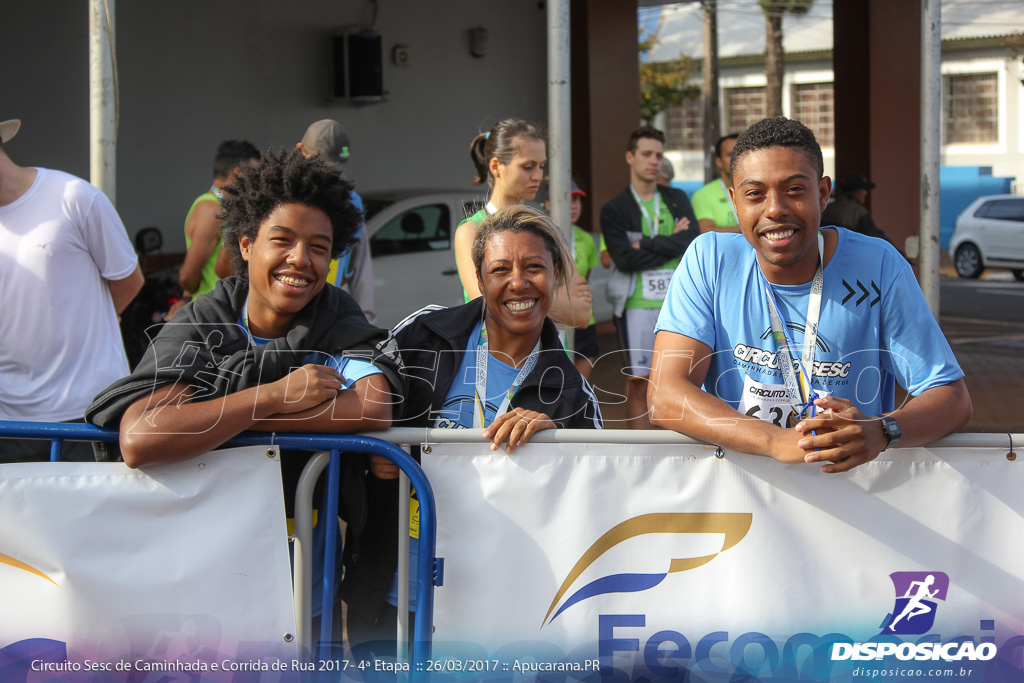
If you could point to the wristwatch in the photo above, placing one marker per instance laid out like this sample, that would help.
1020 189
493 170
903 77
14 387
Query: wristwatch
891 429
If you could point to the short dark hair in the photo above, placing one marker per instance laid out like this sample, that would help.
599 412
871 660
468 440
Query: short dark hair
232 153
644 132
721 141
778 132
286 177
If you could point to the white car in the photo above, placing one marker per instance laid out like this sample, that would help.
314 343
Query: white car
411 235
990 234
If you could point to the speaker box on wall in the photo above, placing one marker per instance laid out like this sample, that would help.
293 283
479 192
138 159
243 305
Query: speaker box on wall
358 66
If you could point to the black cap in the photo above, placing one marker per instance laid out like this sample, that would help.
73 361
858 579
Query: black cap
855 180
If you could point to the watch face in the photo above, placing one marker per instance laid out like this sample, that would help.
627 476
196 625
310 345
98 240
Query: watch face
892 429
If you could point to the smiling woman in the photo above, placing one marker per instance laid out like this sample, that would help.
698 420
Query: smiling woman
495 363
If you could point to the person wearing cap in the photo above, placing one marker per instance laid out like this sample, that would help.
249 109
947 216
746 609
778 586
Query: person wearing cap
203 226
584 252
849 210
667 173
353 269
711 203
67 270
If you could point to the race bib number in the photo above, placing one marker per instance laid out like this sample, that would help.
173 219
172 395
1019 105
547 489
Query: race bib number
655 284
769 402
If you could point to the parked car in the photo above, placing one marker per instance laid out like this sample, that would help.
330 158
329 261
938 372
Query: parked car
990 234
411 235
413 253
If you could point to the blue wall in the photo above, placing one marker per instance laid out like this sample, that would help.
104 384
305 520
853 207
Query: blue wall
959 186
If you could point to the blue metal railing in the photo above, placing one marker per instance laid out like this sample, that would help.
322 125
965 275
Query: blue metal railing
335 443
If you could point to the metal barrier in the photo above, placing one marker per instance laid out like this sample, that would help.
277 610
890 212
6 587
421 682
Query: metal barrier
334 444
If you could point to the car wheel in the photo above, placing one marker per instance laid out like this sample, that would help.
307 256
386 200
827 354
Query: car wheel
968 261
1018 275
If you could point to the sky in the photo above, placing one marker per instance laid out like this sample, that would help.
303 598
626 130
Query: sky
741 25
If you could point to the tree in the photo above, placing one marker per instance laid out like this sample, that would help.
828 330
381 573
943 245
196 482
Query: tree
774 58
663 84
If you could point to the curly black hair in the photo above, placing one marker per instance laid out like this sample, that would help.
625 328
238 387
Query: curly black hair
286 177
778 132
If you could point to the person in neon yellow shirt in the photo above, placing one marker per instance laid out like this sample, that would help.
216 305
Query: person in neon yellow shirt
646 227
711 203
202 224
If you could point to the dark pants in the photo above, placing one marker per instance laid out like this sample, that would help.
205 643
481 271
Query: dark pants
371 640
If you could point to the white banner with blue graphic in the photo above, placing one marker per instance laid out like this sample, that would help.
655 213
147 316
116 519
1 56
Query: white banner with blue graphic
175 570
655 561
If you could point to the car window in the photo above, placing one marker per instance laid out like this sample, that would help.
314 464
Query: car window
425 228
1003 209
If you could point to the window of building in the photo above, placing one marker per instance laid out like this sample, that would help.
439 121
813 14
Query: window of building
685 126
970 105
744 106
814 106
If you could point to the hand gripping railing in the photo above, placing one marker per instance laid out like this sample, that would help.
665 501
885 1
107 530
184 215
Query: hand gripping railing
335 444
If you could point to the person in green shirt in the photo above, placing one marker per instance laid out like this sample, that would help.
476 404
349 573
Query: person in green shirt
510 158
646 227
202 224
711 203
584 252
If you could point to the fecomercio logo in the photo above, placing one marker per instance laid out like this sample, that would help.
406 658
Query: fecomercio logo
734 525
18 564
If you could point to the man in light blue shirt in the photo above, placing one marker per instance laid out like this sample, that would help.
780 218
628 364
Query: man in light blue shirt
799 335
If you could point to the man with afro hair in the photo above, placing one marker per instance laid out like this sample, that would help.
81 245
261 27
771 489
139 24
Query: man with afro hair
272 349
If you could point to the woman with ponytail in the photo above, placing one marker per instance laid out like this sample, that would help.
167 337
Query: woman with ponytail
511 158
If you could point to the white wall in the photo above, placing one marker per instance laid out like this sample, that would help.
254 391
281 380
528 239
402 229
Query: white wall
1006 155
193 73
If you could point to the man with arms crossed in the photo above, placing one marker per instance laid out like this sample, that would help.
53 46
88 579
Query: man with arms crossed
740 303
646 228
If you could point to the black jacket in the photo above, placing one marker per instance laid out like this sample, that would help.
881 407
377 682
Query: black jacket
622 224
554 387
206 348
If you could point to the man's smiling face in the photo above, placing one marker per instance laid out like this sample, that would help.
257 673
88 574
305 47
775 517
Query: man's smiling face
779 198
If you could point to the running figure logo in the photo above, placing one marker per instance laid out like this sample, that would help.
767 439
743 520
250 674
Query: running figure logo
916 596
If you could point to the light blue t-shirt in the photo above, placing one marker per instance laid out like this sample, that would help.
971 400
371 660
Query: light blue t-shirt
457 410
875 328
352 369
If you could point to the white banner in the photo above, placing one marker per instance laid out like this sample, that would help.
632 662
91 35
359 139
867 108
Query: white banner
177 570
662 561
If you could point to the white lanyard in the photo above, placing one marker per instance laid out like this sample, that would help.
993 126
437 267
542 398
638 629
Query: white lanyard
732 207
652 225
482 356
797 394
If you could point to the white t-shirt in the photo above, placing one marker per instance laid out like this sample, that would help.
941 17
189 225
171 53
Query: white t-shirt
59 339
